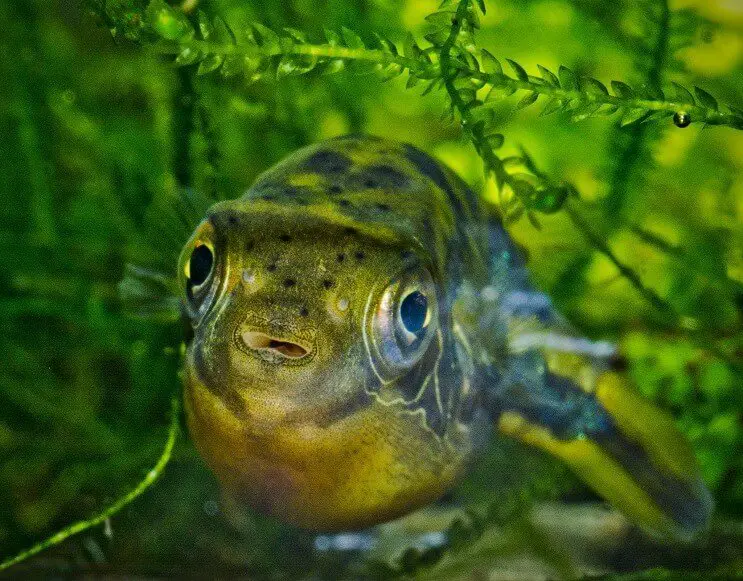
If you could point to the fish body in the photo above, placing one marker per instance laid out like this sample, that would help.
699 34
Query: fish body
361 323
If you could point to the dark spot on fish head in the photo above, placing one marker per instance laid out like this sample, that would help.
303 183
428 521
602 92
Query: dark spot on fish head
428 166
327 162
271 190
382 177
225 220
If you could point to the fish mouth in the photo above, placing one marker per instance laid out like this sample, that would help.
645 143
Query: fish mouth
276 349
260 341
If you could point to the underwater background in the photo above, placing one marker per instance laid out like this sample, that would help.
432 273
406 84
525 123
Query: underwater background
98 127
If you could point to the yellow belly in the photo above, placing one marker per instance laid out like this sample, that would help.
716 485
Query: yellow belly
367 468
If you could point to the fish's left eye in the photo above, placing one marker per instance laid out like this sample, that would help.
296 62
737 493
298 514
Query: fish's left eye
403 322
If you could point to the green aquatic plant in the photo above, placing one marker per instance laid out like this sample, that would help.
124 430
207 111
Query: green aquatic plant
474 84
102 517
452 61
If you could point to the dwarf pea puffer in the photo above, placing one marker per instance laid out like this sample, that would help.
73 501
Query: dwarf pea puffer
361 323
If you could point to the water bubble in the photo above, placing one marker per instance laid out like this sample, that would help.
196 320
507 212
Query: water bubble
682 119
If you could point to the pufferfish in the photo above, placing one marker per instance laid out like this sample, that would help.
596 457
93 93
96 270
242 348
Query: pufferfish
362 323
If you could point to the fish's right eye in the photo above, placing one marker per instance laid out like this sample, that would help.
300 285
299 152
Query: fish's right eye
199 270
200 265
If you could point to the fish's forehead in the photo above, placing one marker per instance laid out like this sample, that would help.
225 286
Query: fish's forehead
385 190
288 261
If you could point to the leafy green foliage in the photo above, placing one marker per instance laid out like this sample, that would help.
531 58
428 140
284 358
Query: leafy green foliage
103 136
259 50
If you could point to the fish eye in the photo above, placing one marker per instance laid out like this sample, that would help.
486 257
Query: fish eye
402 323
200 265
414 312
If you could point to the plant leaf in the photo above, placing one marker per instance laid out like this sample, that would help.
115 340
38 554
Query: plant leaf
490 64
232 65
594 86
498 92
549 77
521 74
222 33
291 64
386 45
527 100
622 90
411 48
495 140
297 35
266 37
706 100
442 18
210 63
683 94
552 106
188 56
585 111
632 116
568 80
205 27
168 22
352 39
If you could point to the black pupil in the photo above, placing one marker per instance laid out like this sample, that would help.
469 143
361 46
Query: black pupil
201 264
413 311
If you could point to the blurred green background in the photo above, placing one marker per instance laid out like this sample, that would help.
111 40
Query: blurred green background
94 128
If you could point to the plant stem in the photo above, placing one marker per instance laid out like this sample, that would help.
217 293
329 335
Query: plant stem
445 68
114 508
492 161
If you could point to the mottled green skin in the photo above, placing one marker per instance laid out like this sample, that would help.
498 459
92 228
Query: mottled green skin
331 441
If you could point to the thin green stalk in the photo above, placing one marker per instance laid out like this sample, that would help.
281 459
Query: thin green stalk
114 508
446 69
697 113
600 244
316 50
492 161
26 99
630 155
